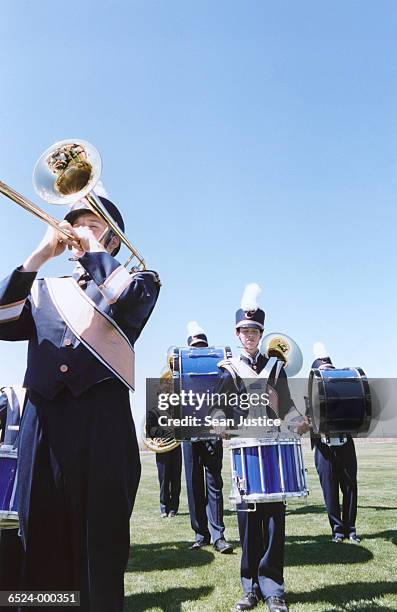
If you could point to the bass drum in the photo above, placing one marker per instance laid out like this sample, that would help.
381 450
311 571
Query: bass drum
195 371
339 401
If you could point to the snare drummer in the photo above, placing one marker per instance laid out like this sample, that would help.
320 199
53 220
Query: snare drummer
78 464
336 464
262 532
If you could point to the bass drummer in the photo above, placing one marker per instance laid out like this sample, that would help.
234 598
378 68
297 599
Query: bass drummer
203 470
262 531
336 464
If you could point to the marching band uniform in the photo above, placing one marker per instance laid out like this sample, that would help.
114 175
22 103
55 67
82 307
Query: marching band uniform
336 464
169 463
203 469
262 532
169 470
12 400
78 465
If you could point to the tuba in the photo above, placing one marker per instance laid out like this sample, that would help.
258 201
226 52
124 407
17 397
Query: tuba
285 348
166 442
67 173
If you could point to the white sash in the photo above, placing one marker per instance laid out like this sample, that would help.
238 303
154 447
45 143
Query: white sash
237 367
95 329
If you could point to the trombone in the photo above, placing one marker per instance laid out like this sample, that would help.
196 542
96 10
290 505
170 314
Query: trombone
66 173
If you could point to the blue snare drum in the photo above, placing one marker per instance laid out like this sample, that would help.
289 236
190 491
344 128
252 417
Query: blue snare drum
8 483
267 469
339 401
196 370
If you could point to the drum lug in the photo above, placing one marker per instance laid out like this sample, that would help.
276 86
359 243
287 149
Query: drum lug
241 484
235 497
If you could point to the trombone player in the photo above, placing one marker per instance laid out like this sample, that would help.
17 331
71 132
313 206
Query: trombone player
79 464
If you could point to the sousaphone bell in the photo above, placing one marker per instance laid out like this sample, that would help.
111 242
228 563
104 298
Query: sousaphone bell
285 348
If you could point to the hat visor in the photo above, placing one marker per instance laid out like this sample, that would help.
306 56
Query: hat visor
199 343
73 214
250 324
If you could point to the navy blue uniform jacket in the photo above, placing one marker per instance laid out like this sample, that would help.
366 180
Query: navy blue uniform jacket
51 342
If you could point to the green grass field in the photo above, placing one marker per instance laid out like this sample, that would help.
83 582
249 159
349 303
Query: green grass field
163 575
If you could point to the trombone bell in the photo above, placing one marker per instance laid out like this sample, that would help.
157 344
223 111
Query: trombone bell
67 171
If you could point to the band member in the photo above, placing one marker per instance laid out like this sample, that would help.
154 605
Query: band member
12 400
169 470
262 532
203 469
336 464
169 463
78 453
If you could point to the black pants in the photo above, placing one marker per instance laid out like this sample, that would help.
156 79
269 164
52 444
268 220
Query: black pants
79 470
10 562
262 538
203 468
169 469
337 469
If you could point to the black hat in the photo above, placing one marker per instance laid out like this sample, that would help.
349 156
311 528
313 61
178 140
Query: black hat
81 207
250 315
322 360
196 335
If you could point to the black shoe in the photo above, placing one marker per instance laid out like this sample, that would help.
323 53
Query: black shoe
337 538
353 537
197 545
223 547
248 602
172 514
276 604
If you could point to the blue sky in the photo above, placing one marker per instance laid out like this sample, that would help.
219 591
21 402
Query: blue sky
244 142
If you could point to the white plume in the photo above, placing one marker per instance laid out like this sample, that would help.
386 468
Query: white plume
319 350
193 329
249 301
100 190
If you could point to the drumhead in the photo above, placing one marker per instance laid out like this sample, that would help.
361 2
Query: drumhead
268 441
339 401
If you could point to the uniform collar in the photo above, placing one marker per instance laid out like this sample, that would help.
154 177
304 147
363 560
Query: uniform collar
249 359
81 276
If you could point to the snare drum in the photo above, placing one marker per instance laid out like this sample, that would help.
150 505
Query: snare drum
196 370
339 401
8 483
267 469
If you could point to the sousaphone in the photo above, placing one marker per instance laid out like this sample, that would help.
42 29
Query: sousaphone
285 348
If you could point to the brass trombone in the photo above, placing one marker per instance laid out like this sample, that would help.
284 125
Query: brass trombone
66 173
